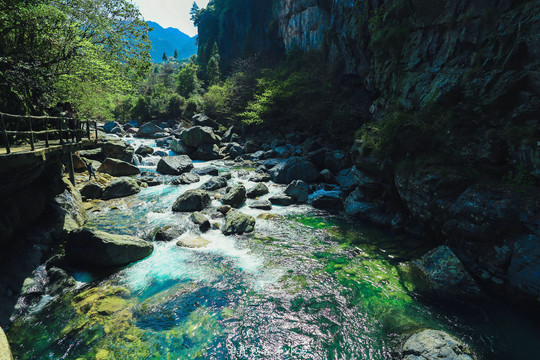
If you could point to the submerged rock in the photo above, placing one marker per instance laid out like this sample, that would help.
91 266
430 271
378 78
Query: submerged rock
192 241
292 169
236 197
257 190
174 165
192 200
435 345
101 249
120 187
117 167
238 223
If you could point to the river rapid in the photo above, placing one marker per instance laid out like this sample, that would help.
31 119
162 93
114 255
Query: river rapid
306 284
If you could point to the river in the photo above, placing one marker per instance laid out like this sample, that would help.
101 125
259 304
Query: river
306 284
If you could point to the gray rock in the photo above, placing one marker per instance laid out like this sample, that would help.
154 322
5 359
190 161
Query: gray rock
292 169
92 190
224 209
179 147
327 200
203 120
359 206
214 183
207 152
109 126
165 140
144 150
257 190
299 190
261 205
168 233
235 150
236 197
117 149
148 130
281 199
93 154
174 165
120 187
238 223
327 176
435 345
250 147
201 220
207 170
198 135
227 135
259 176
186 179
150 180
99 249
192 200
445 274
117 167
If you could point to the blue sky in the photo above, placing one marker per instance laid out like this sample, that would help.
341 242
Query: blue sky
170 13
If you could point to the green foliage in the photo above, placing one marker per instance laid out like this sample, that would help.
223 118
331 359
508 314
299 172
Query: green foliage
218 102
187 80
80 51
212 69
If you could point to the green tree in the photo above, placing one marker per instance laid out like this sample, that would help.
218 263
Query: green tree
164 57
187 80
45 45
175 54
212 69
194 12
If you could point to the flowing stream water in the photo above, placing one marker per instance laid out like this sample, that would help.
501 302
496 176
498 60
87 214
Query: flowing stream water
306 284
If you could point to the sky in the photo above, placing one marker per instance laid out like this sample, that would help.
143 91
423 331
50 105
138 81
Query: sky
170 13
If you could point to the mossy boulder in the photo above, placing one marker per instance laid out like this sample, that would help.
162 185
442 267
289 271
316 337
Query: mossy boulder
192 200
174 165
238 223
236 197
120 187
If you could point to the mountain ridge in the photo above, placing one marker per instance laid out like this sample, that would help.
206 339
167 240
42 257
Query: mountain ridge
166 40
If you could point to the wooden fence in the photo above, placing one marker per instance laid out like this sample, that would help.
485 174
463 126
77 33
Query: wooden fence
38 129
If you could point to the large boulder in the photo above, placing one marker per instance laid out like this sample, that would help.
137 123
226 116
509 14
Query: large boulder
199 135
144 150
261 205
120 187
327 200
203 120
148 130
292 169
441 272
257 190
179 147
92 190
109 126
99 249
206 170
281 200
174 165
117 167
362 207
198 218
435 345
238 223
236 197
192 241
299 190
214 183
192 200
207 152
167 233
117 149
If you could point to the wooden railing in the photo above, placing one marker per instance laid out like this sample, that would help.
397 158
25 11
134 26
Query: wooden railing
33 129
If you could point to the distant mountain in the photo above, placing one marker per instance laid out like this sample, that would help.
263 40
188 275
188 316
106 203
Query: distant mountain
169 39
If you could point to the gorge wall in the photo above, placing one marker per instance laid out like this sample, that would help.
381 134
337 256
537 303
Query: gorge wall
453 132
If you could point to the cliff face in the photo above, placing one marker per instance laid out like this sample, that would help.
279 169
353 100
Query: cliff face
454 128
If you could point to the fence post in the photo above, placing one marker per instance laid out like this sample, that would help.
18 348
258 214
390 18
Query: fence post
32 146
46 132
88 129
61 132
71 168
8 150
95 125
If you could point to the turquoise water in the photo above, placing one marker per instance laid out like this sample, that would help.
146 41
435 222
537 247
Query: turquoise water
306 285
